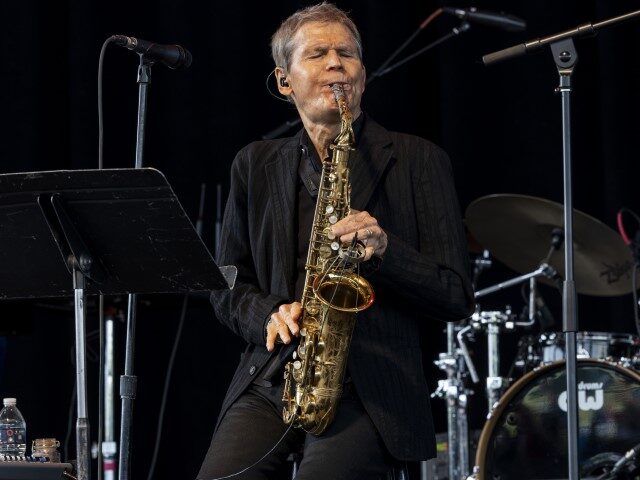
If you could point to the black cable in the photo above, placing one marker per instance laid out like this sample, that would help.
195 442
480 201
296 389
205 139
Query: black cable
101 297
100 113
261 458
165 392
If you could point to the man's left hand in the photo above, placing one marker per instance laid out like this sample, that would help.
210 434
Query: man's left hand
369 232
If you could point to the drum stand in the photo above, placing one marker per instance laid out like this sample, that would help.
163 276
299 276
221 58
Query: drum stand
453 390
494 322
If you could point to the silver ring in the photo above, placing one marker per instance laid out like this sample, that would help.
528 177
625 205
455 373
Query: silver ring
369 233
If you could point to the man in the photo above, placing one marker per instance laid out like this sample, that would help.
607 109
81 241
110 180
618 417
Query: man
403 206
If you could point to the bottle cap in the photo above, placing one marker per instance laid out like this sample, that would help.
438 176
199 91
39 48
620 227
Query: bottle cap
8 401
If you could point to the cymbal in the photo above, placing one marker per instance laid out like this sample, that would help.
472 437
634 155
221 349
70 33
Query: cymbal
473 246
516 229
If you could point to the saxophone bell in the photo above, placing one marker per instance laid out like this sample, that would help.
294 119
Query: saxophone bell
345 292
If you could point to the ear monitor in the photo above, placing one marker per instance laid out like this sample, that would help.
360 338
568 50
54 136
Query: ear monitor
283 82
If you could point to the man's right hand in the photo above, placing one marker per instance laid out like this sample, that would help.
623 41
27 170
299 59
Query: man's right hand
284 322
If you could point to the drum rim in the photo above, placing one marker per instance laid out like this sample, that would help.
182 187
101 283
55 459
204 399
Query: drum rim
588 334
514 389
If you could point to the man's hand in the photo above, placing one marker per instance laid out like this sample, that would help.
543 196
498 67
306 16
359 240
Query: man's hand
284 322
369 232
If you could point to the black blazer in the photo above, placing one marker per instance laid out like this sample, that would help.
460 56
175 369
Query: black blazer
405 182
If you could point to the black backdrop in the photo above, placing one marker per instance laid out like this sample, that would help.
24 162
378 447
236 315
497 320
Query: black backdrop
501 126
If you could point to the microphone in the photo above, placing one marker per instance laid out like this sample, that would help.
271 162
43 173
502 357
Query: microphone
173 56
505 21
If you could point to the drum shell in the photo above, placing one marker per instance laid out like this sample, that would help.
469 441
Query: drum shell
549 347
525 436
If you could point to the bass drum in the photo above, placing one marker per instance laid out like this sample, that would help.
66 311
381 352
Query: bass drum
525 436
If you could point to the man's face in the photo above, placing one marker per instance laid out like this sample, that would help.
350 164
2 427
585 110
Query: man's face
325 53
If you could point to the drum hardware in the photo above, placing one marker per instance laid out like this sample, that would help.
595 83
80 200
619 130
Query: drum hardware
625 461
525 434
480 264
453 390
517 228
495 322
620 348
603 263
544 270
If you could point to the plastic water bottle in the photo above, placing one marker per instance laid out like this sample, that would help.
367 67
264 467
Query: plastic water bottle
13 429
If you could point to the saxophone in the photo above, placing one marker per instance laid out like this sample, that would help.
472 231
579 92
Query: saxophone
333 293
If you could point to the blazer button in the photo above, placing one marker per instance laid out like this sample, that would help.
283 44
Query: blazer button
252 369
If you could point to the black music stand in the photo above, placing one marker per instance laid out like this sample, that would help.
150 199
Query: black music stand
99 231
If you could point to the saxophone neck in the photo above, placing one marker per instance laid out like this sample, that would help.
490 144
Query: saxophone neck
346 137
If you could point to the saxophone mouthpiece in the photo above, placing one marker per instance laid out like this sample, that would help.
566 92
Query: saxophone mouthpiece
338 90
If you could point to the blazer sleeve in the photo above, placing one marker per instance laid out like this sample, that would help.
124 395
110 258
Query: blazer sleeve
246 307
433 279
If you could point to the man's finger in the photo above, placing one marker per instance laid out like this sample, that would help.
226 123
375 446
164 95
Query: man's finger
271 336
296 311
368 253
283 331
291 323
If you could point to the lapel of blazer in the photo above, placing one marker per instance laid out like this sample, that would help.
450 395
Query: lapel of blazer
281 175
368 162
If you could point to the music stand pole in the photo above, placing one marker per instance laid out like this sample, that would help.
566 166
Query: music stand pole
128 381
82 421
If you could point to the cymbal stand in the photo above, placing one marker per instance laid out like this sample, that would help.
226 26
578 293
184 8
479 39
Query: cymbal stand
453 390
544 269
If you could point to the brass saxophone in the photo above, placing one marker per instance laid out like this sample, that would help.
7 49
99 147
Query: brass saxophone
333 293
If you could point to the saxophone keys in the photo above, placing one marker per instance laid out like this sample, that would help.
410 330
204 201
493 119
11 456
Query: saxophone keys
330 209
312 309
324 251
333 219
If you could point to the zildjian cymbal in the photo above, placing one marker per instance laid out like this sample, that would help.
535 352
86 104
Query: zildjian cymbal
517 230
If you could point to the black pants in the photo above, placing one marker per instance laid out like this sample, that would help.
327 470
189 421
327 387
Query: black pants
350 448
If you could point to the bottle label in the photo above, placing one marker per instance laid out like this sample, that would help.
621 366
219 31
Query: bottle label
12 435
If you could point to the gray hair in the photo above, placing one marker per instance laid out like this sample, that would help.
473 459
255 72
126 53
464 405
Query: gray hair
282 45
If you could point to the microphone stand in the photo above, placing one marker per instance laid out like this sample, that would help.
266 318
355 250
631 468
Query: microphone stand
384 68
128 381
565 58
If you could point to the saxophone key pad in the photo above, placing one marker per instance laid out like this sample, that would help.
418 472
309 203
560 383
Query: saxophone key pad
330 209
335 246
332 177
333 219
313 309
